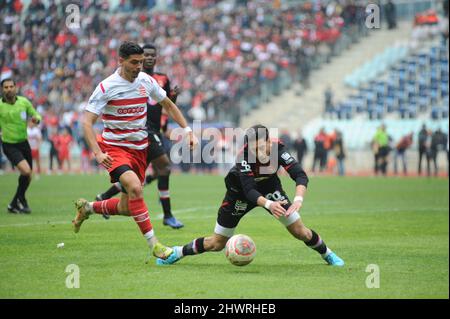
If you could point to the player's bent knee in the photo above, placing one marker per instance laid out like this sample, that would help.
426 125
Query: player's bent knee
301 232
163 170
215 242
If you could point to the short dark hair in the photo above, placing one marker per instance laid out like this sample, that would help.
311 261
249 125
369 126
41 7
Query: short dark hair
149 46
128 48
256 132
7 80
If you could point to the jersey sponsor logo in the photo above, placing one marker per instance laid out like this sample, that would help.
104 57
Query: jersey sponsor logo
275 196
131 110
239 208
246 168
258 179
287 157
130 101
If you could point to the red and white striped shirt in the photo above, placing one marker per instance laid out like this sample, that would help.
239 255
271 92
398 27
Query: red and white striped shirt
124 108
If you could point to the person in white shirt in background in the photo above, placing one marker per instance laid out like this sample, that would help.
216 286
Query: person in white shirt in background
35 140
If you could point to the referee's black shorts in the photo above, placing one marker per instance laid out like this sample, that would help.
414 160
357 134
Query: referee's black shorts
17 152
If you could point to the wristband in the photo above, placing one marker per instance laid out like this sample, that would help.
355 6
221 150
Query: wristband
298 198
268 203
187 129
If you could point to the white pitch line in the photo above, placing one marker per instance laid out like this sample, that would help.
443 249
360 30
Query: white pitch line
158 217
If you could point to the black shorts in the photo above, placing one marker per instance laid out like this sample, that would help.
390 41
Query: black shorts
235 206
17 152
383 151
155 146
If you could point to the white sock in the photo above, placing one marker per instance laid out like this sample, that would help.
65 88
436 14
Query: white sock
90 207
179 250
151 239
329 251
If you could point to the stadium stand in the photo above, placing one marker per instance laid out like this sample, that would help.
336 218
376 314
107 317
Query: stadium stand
418 83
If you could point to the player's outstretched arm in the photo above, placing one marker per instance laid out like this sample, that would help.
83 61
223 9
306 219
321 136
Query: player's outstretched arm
174 112
89 134
275 208
298 200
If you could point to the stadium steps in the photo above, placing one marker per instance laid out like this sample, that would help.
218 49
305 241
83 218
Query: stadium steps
292 111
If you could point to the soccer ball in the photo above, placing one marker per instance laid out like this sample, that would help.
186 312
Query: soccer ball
240 250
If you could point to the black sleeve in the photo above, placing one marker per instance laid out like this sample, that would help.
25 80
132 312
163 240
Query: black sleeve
292 167
168 89
248 182
167 86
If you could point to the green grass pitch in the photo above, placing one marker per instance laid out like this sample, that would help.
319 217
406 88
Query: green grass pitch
401 225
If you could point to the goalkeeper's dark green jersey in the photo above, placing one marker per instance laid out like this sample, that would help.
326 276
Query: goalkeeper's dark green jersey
13 119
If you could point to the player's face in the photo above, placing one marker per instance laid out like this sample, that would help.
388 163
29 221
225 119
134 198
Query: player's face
261 148
9 90
132 66
149 58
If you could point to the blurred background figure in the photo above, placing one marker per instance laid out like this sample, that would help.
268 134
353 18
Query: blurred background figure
320 150
400 152
329 107
422 137
339 152
35 140
438 145
381 141
391 14
53 140
286 139
85 157
431 152
64 142
301 148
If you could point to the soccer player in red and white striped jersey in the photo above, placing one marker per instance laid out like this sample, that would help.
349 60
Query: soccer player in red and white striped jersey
121 101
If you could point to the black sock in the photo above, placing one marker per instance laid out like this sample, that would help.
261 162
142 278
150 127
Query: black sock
317 243
112 191
149 179
164 195
195 247
24 182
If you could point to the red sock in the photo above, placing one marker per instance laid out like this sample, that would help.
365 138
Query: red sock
108 206
139 211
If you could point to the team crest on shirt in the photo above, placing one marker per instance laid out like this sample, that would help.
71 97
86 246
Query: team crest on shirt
142 91
239 208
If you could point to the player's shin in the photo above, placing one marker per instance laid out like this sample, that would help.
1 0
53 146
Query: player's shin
139 212
115 189
106 207
138 209
318 244
194 248
164 195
